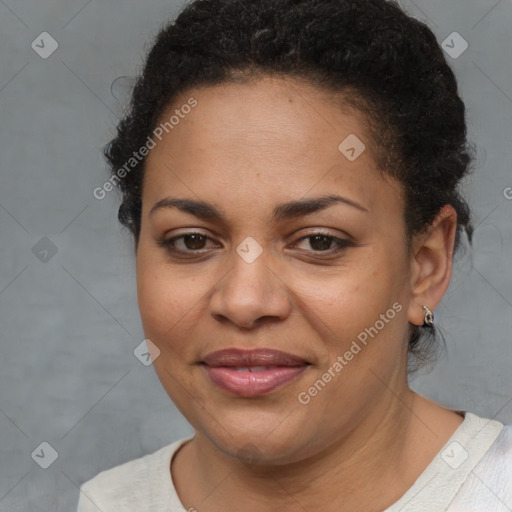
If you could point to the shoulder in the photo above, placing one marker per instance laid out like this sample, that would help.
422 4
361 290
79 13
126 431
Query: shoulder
499 456
489 485
129 486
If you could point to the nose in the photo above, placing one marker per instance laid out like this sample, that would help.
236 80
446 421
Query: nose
250 294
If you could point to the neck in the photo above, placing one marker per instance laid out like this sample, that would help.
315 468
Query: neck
368 468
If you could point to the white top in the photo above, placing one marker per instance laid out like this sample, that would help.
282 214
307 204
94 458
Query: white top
472 473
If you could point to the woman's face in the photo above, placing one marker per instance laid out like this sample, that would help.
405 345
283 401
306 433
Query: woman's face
267 271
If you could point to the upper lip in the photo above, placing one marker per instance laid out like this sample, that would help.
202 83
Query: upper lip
256 357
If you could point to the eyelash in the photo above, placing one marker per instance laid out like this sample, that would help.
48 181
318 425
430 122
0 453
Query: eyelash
168 244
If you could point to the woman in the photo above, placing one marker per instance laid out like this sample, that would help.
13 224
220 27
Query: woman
290 173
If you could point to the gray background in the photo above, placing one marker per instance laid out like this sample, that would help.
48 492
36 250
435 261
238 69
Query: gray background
69 320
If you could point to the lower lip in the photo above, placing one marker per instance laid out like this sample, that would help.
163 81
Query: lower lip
248 384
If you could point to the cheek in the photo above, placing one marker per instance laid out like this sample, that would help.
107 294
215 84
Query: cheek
163 300
350 302
354 293
172 302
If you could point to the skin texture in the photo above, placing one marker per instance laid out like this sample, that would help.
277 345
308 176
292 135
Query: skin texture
360 443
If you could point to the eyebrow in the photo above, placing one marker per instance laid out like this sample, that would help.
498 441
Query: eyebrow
285 211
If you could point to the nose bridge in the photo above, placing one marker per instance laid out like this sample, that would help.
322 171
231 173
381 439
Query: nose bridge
251 289
250 270
251 277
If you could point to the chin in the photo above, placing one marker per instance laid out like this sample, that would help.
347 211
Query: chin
252 444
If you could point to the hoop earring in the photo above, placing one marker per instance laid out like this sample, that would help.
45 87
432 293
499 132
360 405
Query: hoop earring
429 317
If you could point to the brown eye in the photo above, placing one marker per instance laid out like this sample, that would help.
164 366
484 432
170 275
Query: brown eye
194 242
187 244
320 242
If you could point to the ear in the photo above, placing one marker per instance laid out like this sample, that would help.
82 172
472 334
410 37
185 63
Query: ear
431 264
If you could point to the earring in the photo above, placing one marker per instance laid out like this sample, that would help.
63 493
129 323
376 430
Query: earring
429 317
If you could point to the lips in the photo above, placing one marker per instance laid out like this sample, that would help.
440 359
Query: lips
251 373
233 357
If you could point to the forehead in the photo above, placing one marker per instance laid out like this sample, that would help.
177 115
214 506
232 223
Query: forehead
285 113
263 136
